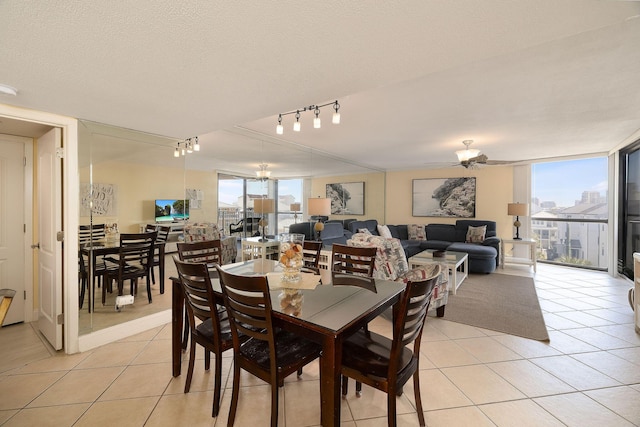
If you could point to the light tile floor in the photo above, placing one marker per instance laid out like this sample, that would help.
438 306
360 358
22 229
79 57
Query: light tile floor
587 375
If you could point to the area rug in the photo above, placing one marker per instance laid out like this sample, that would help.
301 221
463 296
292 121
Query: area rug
498 302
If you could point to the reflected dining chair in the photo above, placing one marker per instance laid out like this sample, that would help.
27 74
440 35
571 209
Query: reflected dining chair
86 235
163 236
135 256
387 364
212 330
270 354
311 255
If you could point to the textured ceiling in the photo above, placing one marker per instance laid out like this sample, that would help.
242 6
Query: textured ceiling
524 79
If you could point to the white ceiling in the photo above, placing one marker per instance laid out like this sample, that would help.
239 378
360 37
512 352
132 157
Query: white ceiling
524 79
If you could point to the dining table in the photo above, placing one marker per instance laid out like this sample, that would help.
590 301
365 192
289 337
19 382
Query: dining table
101 248
326 314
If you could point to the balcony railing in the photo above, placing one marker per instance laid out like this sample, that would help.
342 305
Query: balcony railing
576 242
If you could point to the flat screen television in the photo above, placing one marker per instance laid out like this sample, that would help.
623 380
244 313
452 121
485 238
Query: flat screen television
172 210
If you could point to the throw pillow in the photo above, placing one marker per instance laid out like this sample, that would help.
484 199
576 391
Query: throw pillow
476 234
384 231
416 232
364 231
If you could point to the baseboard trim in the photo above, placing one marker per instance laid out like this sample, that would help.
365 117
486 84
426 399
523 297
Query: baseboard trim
123 330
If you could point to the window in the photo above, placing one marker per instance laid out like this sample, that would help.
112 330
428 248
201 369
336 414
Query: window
234 193
569 212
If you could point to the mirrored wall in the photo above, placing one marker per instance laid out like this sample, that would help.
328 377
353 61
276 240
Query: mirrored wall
123 173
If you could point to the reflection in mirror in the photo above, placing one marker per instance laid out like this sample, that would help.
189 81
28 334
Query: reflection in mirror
124 172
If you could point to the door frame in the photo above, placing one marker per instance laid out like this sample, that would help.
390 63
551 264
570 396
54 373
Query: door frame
70 206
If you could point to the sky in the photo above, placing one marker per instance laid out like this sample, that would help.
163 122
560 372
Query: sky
563 182
230 190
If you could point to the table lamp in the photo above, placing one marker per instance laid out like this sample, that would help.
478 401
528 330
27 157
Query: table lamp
263 206
295 208
320 206
517 210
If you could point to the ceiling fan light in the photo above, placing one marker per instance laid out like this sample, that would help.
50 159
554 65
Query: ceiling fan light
465 155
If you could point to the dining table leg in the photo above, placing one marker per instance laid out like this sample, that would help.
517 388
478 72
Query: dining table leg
330 365
177 304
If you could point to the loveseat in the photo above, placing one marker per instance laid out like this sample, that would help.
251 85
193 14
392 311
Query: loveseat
415 238
391 264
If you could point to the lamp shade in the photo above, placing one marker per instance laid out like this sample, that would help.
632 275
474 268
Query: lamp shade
518 209
263 206
294 207
319 206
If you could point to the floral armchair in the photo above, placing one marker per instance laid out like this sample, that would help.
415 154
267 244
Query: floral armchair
391 264
207 231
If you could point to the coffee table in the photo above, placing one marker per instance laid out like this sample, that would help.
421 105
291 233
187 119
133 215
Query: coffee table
456 262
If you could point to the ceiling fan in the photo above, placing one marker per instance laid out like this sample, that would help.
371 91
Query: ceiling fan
470 158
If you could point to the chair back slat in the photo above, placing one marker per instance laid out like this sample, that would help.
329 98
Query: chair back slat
342 279
311 255
207 251
88 233
353 259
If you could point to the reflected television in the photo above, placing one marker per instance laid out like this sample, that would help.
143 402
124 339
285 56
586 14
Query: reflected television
169 210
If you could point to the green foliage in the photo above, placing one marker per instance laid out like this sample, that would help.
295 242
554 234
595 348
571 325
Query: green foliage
571 260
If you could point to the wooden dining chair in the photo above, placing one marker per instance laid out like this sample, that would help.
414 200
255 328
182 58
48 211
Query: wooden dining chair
163 236
353 266
212 331
134 261
270 354
386 363
311 255
207 251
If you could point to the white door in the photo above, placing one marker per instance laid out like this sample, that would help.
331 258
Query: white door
12 219
49 185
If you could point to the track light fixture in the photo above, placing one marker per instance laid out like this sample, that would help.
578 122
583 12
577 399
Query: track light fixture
316 121
189 145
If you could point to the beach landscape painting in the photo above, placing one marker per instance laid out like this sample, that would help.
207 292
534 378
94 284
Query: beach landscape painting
444 197
347 198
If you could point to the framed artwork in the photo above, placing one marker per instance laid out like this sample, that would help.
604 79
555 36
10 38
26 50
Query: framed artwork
347 198
98 199
444 197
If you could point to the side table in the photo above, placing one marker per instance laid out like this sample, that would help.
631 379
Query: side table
253 248
530 259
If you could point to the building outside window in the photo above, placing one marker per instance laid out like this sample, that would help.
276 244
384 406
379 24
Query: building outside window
569 212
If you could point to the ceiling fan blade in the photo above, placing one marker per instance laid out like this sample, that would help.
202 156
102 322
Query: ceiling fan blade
481 158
